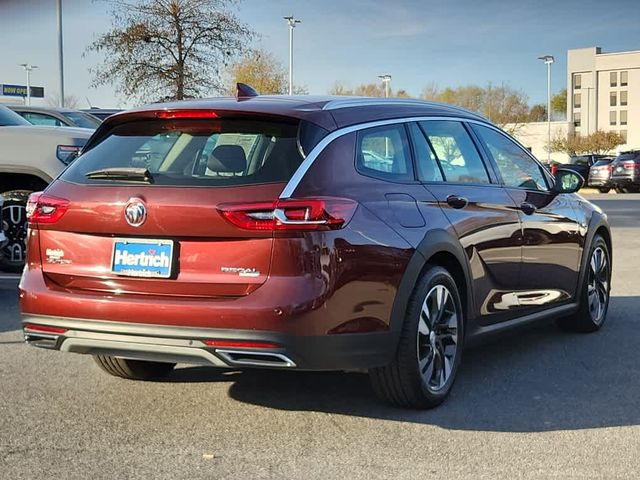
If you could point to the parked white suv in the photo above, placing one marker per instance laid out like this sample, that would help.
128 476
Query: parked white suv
30 157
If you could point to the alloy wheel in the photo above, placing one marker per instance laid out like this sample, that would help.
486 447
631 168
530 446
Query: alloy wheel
598 284
437 337
14 225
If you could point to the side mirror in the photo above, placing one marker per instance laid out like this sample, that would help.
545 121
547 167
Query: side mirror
567 181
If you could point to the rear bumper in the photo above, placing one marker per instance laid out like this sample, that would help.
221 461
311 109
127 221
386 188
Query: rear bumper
626 180
599 182
187 345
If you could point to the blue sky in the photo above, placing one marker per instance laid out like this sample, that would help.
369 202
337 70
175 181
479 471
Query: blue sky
450 43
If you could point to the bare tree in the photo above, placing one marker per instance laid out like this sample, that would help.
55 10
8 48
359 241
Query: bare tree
70 101
366 90
168 49
501 104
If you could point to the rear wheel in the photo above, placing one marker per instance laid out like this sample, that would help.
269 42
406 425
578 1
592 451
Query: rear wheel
604 189
594 297
430 348
14 225
133 369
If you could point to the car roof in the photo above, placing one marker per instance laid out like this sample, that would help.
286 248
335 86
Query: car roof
329 112
28 108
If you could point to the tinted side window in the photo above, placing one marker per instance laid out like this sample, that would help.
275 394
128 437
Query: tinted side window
426 161
516 167
42 119
454 149
384 152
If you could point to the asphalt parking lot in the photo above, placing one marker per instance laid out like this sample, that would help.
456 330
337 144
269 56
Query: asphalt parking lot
534 404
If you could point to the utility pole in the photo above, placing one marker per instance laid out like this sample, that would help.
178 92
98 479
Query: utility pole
548 60
60 54
291 20
28 68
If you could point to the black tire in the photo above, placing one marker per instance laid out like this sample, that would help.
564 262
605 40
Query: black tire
595 292
604 189
133 369
622 190
411 380
14 225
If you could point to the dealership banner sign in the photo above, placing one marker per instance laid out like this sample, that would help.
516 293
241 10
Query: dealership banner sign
21 91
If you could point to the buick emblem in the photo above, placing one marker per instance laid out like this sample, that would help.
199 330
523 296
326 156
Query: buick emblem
135 213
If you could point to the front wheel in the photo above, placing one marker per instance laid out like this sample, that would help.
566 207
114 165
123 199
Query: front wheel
430 347
595 291
14 225
604 189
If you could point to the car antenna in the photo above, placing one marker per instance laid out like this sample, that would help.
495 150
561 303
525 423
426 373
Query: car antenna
243 90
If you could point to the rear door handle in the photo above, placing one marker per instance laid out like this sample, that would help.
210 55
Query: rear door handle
527 208
455 201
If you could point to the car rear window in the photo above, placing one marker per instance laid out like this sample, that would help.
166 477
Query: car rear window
600 163
220 152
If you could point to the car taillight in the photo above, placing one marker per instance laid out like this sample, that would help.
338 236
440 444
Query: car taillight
554 169
44 329
43 208
176 114
629 165
326 213
610 167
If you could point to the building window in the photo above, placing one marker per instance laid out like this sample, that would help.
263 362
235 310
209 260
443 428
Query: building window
623 117
623 134
624 79
576 100
613 99
623 98
613 117
613 78
577 81
576 119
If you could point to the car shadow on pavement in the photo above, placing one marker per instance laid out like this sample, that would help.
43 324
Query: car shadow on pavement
535 379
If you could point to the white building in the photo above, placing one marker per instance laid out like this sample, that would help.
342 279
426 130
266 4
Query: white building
603 93
534 136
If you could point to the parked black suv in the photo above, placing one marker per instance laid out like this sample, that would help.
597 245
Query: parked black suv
625 174
580 164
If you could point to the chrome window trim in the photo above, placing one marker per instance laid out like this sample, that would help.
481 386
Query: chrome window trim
318 149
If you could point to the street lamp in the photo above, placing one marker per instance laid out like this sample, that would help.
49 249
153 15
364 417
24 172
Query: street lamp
385 80
28 68
291 20
60 57
548 60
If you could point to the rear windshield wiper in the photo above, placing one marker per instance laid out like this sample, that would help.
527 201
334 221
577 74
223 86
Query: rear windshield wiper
122 173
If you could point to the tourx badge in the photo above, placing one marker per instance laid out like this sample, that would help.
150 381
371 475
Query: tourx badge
135 212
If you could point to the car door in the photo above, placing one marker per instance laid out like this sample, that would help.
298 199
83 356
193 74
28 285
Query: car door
480 211
552 239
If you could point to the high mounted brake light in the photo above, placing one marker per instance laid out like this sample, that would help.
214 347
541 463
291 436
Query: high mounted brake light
305 214
179 114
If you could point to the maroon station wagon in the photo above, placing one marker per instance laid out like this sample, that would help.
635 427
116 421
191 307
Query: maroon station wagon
312 233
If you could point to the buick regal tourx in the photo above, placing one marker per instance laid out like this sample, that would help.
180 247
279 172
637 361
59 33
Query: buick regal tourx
307 233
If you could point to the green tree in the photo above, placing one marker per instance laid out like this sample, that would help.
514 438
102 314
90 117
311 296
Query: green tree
168 49
559 104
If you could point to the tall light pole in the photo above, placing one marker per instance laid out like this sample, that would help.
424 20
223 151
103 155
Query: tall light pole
548 60
385 80
28 68
291 20
60 56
